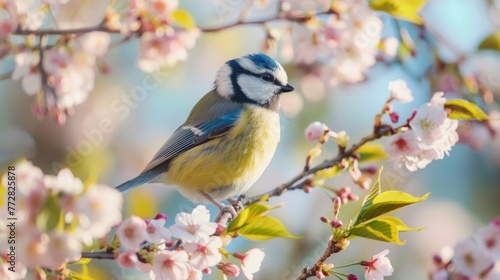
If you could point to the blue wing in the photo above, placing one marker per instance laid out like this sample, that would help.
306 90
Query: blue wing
184 138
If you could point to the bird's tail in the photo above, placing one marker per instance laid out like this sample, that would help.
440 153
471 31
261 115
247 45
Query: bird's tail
142 179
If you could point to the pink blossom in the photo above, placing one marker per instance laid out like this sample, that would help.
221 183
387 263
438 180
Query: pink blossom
63 248
195 274
251 261
26 14
132 233
402 145
98 209
400 92
205 252
156 231
165 50
127 259
489 237
171 265
95 43
470 259
192 227
378 267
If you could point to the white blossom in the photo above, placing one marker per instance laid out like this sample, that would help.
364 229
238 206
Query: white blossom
170 265
400 92
132 233
192 227
470 259
205 252
378 267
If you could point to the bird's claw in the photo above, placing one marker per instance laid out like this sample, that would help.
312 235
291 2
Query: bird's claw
232 210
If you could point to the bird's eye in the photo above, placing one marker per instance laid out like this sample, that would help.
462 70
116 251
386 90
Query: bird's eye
267 78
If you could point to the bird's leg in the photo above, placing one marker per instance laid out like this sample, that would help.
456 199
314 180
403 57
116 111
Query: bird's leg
222 208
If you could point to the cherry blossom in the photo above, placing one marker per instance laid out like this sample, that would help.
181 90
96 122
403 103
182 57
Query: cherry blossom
470 259
378 267
195 274
63 248
156 231
205 252
26 14
64 182
192 227
489 237
26 70
165 50
132 233
171 265
400 92
127 259
251 261
98 209
432 136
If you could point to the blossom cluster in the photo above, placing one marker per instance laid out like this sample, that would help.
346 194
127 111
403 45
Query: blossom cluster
429 134
476 257
62 73
55 217
186 250
343 45
66 74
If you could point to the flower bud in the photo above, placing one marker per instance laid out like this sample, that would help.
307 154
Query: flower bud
229 269
315 130
352 277
336 223
394 117
161 216
342 139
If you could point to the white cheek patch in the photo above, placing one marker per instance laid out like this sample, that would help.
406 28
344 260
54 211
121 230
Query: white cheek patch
281 75
223 81
255 89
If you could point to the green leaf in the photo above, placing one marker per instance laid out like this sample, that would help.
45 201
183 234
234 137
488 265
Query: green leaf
386 202
368 201
264 228
406 10
184 19
492 42
400 226
253 211
382 230
48 218
371 152
464 110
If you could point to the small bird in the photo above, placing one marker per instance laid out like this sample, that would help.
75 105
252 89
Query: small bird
228 138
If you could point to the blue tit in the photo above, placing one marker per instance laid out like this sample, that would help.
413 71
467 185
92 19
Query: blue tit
228 138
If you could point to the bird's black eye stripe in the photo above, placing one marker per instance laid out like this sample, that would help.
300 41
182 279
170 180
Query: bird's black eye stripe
266 77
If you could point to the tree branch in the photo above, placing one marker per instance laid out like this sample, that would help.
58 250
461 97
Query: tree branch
98 255
74 31
298 181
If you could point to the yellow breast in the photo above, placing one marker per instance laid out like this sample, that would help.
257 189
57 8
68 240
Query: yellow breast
229 165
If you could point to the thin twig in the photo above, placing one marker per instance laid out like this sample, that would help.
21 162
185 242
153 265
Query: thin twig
98 255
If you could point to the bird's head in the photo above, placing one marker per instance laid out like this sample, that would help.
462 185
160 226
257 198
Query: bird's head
253 79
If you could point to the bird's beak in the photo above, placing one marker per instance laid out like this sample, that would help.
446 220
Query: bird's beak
287 88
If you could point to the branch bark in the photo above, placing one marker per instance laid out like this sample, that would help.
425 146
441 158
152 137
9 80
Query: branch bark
98 255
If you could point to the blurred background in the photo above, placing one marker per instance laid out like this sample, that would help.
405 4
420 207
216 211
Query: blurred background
130 114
